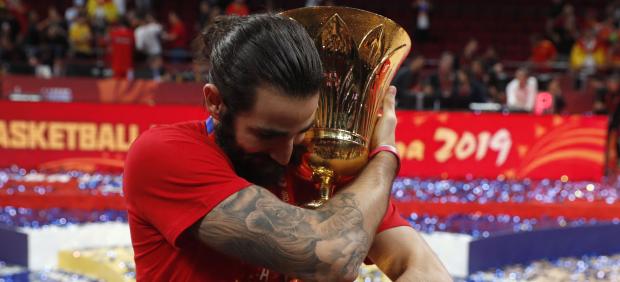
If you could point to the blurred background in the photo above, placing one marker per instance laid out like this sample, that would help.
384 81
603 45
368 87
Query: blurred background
508 129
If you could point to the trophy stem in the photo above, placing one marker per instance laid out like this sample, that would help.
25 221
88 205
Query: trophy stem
326 177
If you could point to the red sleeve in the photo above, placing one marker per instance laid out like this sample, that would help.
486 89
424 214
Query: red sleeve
391 219
173 179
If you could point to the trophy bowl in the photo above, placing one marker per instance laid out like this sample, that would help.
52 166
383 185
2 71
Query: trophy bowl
360 52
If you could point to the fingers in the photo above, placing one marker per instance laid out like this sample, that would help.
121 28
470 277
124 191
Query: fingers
389 102
384 132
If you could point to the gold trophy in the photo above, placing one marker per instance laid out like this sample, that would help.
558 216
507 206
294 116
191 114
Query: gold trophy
360 52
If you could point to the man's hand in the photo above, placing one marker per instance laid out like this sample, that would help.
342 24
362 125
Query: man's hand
386 125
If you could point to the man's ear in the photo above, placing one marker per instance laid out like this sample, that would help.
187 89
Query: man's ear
213 100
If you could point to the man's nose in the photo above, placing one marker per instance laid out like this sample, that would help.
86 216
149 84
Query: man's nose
282 154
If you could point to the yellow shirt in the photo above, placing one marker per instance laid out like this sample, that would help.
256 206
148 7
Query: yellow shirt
79 36
108 9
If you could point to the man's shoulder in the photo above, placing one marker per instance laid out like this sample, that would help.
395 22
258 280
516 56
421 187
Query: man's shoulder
173 149
179 137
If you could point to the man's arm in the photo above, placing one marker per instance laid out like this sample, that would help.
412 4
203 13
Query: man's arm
403 255
329 243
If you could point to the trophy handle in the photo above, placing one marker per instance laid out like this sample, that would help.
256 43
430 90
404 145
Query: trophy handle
326 178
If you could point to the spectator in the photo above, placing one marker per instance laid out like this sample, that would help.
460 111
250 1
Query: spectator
613 12
143 6
55 42
72 12
613 55
237 7
590 20
204 15
478 79
409 82
9 32
606 31
588 54
498 80
521 91
607 96
20 13
121 50
215 12
102 11
555 89
121 7
441 84
556 8
489 58
155 70
132 19
147 36
177 38
563 30
32 39
423 21
80 38
543 52
469 53
465 92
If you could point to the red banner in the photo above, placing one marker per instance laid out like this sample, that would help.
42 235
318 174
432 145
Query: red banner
90 90
74 135
454 145
460 145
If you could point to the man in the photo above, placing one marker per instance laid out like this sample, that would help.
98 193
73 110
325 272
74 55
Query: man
147 37
521 91
409 80
202 195
121 50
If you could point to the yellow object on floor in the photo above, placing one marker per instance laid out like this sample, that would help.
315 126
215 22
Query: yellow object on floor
107 264
371 273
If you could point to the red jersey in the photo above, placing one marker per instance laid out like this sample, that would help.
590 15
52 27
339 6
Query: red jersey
543 52
121 57
180 34
237 9
174 176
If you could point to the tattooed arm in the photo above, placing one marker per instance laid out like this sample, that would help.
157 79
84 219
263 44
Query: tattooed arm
326 244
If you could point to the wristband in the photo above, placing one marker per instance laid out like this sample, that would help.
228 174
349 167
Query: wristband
387 148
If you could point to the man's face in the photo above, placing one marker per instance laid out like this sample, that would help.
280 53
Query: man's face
521 76
261 141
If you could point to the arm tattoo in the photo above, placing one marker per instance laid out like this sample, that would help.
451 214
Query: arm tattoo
256 226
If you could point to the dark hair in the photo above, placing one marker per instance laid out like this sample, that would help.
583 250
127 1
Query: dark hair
259 50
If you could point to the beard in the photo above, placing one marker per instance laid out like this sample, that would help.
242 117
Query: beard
257 168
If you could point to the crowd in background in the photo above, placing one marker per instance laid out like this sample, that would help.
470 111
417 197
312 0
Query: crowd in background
125 39
588 43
